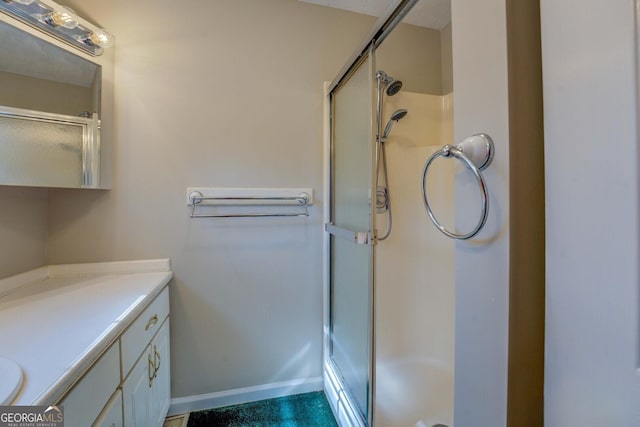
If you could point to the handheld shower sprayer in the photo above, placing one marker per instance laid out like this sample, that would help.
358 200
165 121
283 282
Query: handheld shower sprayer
396 116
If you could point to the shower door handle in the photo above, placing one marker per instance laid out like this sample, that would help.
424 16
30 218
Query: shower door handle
357 237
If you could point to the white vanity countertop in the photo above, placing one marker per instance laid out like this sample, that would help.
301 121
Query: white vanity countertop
56 321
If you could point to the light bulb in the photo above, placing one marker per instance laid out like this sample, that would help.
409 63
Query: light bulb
101 37
63 17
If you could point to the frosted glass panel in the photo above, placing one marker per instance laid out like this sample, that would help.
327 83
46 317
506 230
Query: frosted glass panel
351 210
352 152
350 309
37 152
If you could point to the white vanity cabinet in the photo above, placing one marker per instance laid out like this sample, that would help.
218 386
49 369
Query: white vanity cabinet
130 384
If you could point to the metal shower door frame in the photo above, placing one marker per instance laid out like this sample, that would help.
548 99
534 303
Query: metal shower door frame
357 237
393 16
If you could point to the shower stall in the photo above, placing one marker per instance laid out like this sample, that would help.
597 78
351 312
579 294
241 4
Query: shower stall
389 273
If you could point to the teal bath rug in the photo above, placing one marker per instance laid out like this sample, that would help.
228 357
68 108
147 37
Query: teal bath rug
300 410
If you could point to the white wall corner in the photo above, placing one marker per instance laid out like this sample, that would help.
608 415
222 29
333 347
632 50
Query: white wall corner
482 264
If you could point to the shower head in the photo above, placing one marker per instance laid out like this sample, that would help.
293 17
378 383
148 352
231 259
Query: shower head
396 116
393 86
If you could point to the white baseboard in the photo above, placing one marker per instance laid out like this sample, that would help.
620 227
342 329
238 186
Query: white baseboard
200 402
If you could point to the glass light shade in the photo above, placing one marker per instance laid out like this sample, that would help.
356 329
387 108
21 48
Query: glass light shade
101 38
61 22
64 17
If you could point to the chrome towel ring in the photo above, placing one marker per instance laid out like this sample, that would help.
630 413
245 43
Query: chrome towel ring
477 153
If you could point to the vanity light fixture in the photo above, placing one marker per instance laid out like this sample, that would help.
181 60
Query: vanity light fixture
60 22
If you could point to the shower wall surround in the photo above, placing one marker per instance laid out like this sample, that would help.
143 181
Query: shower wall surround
415 272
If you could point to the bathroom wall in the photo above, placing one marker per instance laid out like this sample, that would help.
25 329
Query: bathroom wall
227 94
23 229
408 54
592 356
482 264
446 59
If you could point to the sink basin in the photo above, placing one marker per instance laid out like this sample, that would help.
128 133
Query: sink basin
10 380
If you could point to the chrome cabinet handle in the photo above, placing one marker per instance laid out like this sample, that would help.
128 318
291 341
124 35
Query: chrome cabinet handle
156 363
151 367
152 321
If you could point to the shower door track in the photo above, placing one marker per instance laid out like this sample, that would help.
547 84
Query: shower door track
381 29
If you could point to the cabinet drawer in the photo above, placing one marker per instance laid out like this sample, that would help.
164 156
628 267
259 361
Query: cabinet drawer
139 334
85 401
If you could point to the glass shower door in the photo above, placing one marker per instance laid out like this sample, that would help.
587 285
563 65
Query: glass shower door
351 249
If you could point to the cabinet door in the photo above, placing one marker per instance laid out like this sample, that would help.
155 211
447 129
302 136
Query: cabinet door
161 388
136 392
112 414
90 395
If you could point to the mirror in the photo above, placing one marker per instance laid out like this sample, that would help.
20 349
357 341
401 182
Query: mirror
50 113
